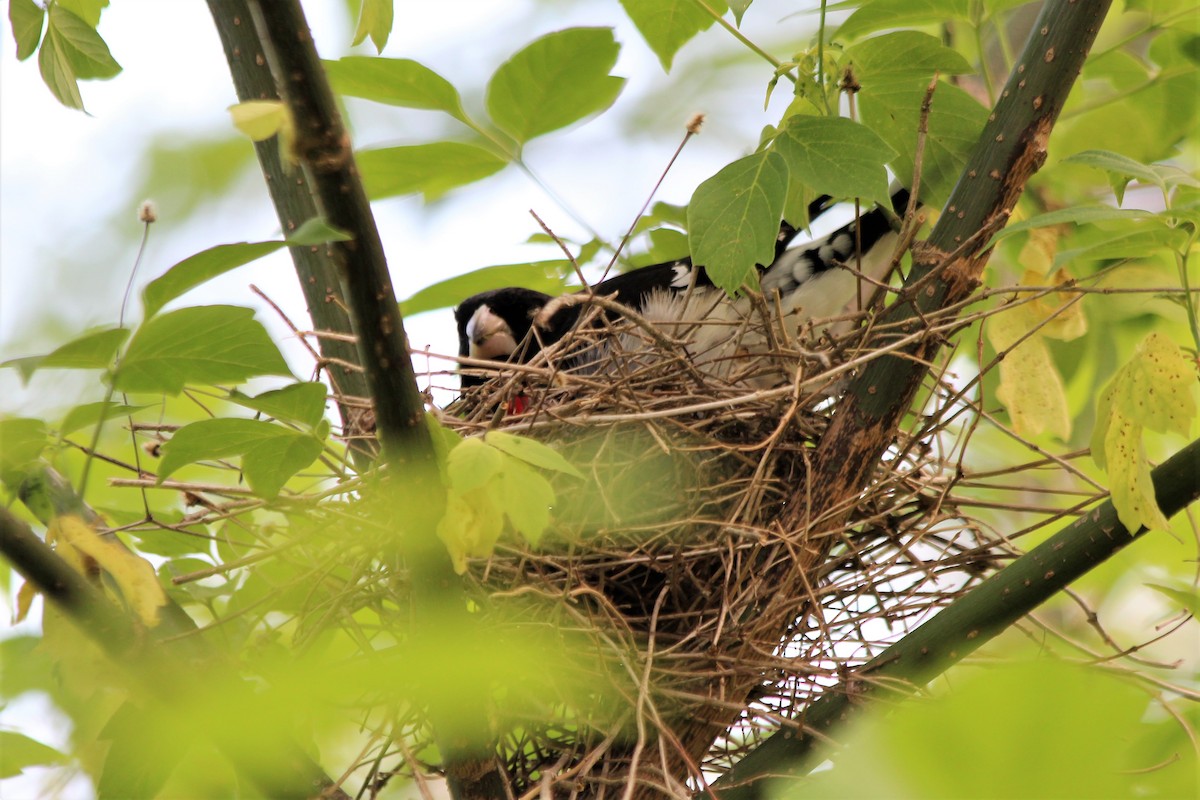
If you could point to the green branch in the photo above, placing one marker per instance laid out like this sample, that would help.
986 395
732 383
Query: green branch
963 627
294 205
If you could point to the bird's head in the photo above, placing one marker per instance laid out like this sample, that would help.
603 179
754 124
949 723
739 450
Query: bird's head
495 326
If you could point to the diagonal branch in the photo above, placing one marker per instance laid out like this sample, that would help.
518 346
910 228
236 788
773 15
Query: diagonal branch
294 205
323 146
964 626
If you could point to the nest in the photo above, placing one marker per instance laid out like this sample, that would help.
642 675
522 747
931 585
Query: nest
712 621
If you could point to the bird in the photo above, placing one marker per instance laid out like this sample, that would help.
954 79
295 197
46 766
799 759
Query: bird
809 281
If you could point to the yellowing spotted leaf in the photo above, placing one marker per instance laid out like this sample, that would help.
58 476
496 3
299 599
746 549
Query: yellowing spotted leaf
77 543
1030 387
1154 391
1061 311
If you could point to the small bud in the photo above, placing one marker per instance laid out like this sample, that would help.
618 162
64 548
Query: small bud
693 126
148 212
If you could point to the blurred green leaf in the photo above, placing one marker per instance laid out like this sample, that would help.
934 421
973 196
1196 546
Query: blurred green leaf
905 52
526 498
374 20
1075 215
1043 729
472 464
204 344
144 745
432 169
92 350
18 752
57 70
88 414
300 402
836 156
555 81
82 46
881 14
532 452
1185 597
317 231
203 266
24 440
86 10
271 454
395 81
891 107
739 8
668 25
26 18
542 276
733 218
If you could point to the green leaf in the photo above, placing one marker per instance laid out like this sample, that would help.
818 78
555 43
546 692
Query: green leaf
395 81
82 46
542 276
733 218
300 402
57 71
1122 169
26 18
668 25
203 266
473 464
739 7
92 350
836 156
526 497
1185 597
432 169
86 10
881 14
555 81
892 108
205 344
1076 215
24 440
88 414
18 751
1127 242
271 454
532 452
905 53
317 231
375 19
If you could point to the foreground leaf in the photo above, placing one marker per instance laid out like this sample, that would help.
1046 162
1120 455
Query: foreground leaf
836 156
204 266
271 454
203 345
555 81
431 169
395 81
668 25
733 218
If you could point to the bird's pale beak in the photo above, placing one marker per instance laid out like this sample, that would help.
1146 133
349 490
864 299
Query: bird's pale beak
490 337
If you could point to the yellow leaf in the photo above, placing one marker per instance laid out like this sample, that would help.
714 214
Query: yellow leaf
1061 311
471 526
1155 388
1037 256
77 543
1129 477
260 119
1030 387
25 597
1153 391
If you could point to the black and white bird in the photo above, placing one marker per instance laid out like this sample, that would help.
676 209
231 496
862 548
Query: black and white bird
814 280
